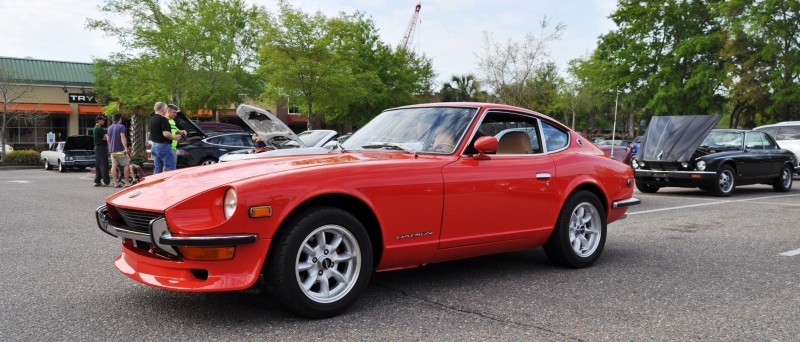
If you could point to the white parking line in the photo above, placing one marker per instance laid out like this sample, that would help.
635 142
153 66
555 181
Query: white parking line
710 203
19 181
791 253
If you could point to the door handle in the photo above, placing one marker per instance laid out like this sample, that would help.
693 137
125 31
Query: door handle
543 176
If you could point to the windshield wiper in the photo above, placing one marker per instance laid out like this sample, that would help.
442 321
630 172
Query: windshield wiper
395 146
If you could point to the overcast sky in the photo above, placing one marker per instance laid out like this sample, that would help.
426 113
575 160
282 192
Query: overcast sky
448 31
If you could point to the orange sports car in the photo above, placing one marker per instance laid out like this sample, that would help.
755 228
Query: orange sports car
418 184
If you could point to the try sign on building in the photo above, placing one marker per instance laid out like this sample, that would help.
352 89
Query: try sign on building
82 98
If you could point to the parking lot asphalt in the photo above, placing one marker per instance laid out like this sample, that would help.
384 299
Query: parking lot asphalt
684 265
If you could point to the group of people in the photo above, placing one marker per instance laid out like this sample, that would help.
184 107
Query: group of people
164 134
113 141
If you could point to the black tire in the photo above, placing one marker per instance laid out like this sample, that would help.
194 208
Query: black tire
560 248
289 264
47 165
725 182
646 187
208 161
784 181
61 167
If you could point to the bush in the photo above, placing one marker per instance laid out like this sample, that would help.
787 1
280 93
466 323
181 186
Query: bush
23 157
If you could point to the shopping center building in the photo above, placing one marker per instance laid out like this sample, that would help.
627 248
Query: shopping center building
57 96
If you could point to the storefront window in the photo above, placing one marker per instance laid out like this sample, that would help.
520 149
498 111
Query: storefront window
31 132
86 125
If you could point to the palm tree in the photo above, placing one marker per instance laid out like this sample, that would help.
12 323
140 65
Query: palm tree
462 89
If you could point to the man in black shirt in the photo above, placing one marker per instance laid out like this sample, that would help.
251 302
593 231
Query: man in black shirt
100 152
161 136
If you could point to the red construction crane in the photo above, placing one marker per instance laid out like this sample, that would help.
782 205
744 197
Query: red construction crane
409 36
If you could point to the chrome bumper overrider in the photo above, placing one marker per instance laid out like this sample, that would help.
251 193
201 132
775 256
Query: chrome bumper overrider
626 202
161 237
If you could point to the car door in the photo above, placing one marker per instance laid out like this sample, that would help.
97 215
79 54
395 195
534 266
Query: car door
758 163
774 154
507 197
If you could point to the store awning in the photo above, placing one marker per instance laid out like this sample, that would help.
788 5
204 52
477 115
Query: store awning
90 110
294 118
203 113
43 108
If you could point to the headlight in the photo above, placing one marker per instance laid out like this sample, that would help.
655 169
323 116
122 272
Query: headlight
685 165
635 164
701 165
229 203
68 158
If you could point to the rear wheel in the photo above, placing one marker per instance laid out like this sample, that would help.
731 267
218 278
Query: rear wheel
784 181
580 233
320 264
646 187
725 183
47 165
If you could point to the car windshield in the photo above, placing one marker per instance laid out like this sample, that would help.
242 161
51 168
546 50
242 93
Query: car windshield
425 130
723 140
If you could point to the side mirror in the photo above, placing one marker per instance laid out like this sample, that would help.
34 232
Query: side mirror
485 145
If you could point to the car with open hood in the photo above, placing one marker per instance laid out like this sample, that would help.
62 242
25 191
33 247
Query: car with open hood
269 128
416 185
75 151
685 151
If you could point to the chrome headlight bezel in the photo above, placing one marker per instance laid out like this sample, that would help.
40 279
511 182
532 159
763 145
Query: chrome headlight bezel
700 165
634 164
229 203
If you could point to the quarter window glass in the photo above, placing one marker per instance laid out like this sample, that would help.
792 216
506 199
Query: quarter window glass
768 142
214 140
555 138
231 140
788 133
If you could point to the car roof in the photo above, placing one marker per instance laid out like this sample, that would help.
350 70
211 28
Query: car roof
482 105
784 123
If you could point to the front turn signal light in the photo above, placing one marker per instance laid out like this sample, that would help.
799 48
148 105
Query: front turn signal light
202 253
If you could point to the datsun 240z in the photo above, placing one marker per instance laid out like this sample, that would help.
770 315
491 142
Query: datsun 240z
418 184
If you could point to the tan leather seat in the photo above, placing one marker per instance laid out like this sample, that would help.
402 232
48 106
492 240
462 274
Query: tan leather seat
514 143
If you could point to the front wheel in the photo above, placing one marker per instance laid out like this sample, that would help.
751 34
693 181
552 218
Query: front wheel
320 264
208 161
725 182
580 233
784 182
646 187
61 167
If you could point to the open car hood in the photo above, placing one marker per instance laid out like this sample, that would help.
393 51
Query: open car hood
192 130
675 138
265 124
79 142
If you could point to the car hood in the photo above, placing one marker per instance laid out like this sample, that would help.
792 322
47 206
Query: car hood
254 153
675 138
79 142
164 190
264 123
192 130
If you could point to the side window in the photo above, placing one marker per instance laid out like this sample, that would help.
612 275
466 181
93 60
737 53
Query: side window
772 131
753 140
247 141
214 140
515 133
768 142
232 140
788 133
555 138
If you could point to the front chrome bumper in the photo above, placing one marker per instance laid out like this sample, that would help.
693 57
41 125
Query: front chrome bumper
626 203
162 238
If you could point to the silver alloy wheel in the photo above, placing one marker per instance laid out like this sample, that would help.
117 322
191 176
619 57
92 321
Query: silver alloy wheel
328 264
60 166
46 164
208 162
584 229
786 177
726 181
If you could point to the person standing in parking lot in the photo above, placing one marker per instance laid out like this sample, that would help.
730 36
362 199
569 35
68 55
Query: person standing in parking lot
118 146
172 112
162 137
100 152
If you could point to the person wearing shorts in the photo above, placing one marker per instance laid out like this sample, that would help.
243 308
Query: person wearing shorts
118 146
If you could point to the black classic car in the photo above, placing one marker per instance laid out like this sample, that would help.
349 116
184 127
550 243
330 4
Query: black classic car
76 151
685 151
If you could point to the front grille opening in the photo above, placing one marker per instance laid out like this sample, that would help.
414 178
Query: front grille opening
199 273
144 246
135 220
